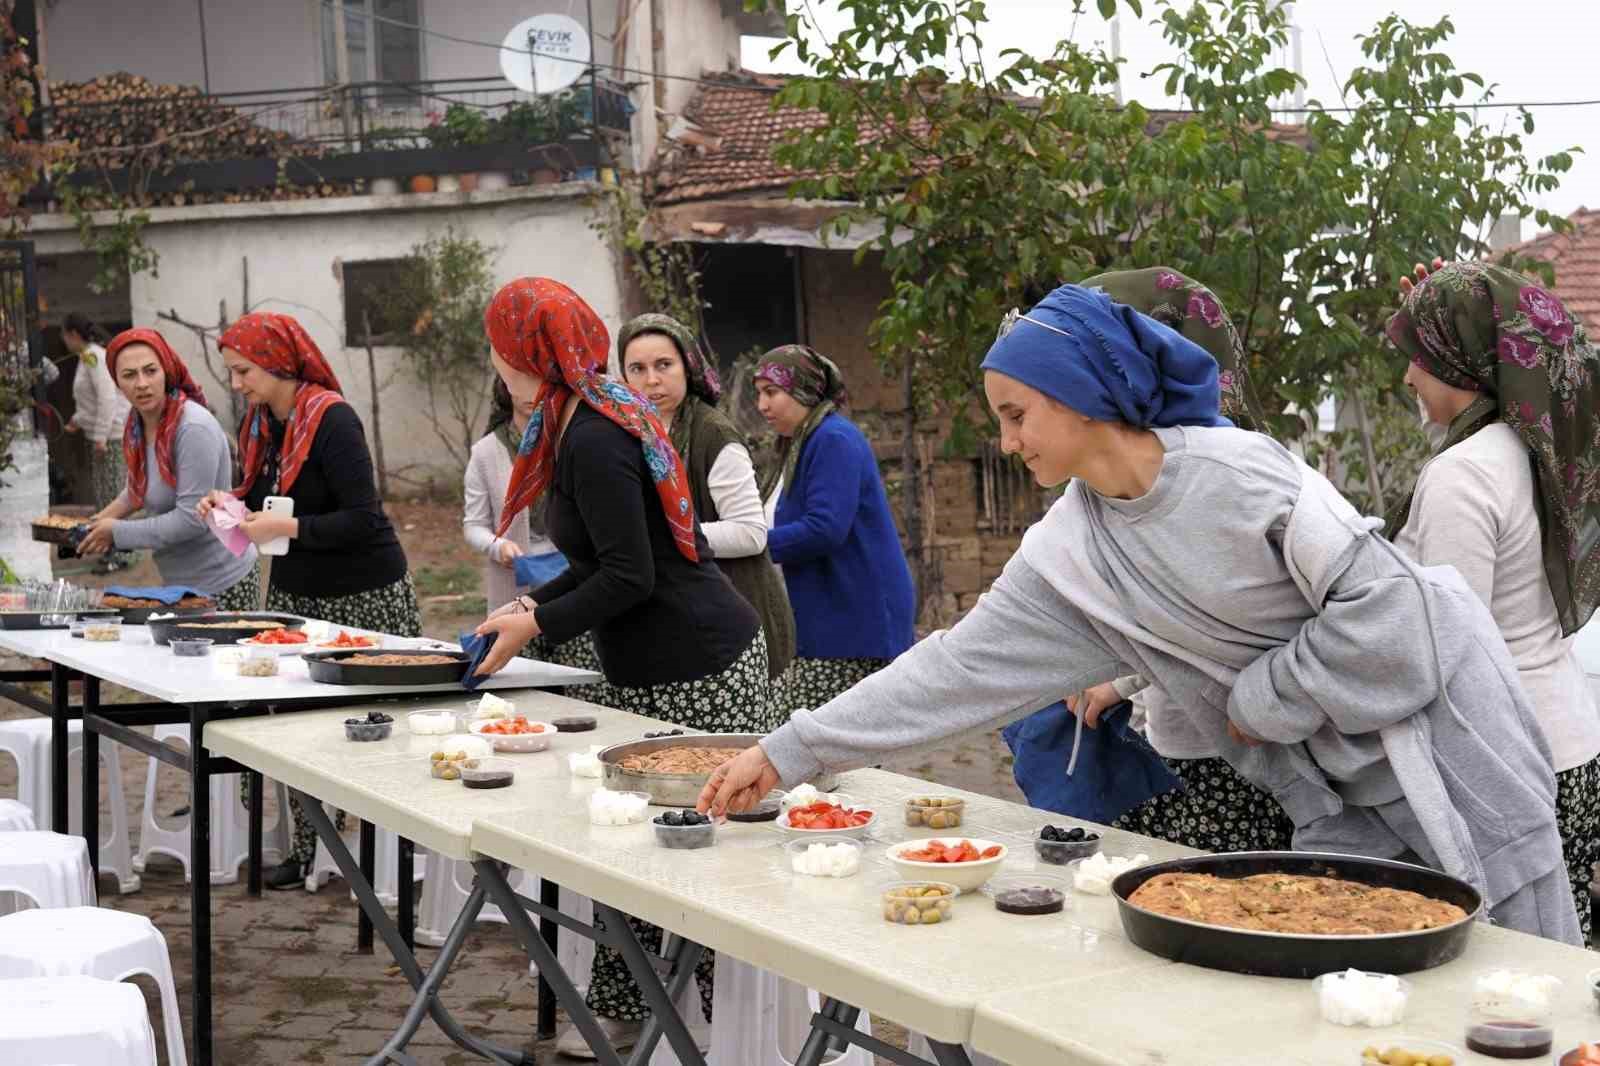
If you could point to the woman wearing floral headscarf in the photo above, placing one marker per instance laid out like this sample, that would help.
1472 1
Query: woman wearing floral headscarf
661 359
300 439
832 532
175 452
676 641
1512 496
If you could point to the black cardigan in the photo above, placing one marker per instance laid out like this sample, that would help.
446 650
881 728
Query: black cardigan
346 544
656 617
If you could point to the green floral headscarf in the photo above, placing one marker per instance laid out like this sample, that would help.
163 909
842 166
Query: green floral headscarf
1182 304
697 369
815 382
1498 333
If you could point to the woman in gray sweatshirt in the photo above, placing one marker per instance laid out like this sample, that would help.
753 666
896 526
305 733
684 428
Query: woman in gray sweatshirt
175 453
1372 698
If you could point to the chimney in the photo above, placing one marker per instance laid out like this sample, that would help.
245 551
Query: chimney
1506 231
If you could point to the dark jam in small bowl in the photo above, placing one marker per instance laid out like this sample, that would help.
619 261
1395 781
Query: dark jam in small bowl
1510 1040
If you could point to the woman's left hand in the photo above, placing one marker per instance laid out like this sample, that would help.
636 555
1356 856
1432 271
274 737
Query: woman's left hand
514 631
100 538
261 526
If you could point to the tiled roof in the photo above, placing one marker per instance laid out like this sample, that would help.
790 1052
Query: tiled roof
733 129
1576 258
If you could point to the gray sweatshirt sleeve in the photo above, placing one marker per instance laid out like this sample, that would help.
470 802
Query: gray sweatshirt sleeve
1019 649
1364 662
199 455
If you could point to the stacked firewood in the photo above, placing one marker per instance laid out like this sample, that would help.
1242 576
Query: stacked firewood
126 121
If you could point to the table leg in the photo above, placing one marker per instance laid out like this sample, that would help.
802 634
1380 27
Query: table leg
257 795
200 883
60 713
681 956
407 862
949 1054
493 879
549 896
91 776
834 1026
656 996
369 860
427 986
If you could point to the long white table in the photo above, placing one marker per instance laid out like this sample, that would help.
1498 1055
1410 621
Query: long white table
191 691
1066 988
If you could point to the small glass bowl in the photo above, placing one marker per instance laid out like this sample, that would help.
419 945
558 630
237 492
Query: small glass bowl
488 773
103 630
1057 896
1591 981
935 812
796 848
363 730
1432 1052
1062 852
432 723
1325 988
684 837
911 902
190 647
259 662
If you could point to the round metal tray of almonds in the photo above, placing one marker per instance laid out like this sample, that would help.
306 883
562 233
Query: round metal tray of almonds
632 766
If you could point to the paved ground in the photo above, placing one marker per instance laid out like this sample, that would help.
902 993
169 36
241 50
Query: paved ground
289 985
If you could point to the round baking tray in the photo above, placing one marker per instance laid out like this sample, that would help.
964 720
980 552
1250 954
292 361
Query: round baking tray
200 625
1299 955
675 790
344 667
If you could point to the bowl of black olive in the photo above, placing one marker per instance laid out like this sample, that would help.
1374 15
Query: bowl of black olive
1059 846
375 726
685 830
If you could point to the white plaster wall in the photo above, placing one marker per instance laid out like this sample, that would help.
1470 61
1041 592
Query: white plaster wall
699 39
295 250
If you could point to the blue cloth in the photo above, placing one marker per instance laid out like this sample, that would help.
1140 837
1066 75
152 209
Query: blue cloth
478 648
1117 769
168 594
836 540
534 570
1109 362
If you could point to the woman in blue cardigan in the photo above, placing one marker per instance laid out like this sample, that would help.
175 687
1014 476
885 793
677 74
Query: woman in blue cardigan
832 533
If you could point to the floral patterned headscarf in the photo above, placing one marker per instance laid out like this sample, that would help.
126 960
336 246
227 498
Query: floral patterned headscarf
1496 332
181 388
281 345
815 382
543 328
697 369
1180 303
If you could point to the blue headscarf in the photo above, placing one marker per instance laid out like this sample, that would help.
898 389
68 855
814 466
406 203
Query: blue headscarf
1109 362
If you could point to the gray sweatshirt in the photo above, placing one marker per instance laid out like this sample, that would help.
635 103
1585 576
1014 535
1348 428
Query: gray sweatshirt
186 551
1244 587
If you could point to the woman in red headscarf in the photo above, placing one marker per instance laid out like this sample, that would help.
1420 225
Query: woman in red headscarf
300 439
675 640
175 453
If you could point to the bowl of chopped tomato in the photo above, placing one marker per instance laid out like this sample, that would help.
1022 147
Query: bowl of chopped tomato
516 733
831 817
966 862
282 641
348 640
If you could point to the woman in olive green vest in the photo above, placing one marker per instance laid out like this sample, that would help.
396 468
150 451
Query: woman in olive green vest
661 359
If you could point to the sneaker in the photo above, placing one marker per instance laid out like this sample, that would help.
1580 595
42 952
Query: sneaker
622 1035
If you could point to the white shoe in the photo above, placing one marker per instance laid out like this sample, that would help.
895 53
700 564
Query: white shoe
621 1035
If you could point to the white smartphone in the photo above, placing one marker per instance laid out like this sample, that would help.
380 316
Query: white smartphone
278 505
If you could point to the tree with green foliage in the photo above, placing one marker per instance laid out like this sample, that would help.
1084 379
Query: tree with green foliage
988 187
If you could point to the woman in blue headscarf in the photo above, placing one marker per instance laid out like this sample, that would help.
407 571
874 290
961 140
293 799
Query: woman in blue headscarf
1360 691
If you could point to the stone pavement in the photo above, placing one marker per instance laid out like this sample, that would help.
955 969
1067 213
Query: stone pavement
290 987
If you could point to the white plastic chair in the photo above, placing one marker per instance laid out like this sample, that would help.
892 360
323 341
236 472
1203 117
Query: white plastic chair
74 1020
445 885
385 866
918 1045
27 740
230 824
15 817
51 869
93 942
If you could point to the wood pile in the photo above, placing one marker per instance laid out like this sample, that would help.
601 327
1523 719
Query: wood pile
126 121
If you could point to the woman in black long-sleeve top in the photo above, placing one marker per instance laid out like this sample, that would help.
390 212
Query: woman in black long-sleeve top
300 439
675 639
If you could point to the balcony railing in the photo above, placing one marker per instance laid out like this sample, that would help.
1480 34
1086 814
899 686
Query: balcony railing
160 140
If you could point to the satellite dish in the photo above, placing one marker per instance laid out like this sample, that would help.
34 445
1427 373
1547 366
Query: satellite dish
545 54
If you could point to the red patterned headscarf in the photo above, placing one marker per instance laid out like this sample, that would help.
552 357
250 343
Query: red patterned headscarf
543 328
279 344
181 388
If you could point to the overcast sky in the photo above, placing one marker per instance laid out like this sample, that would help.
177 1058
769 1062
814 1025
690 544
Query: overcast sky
1535 50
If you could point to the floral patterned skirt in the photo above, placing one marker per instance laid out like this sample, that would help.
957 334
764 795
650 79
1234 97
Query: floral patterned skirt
1216 810
391 609
810 683
1578 819
244 594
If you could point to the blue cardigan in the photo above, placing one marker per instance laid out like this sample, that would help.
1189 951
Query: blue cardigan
836 540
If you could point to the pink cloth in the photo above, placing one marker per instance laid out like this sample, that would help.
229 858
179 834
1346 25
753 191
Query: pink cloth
225 519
